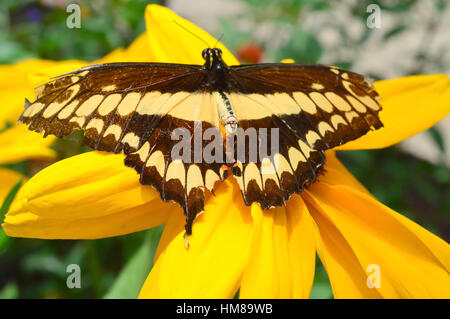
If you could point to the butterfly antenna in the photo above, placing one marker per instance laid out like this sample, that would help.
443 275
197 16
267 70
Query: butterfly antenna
191 33
218 40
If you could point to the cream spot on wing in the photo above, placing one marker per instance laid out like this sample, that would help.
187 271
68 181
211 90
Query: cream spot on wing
335 71
83 73
109 88
79 120
281 103
268 171
336 120
194 178
132 140
115 130
246 107
129 103
210 178
324 127
74 79
345 76
55 107
312 137
157 160
366 99
252 173
317 86
266 167
34 109
306 150
193 107
151 102
173 103
97 124
67 110
350 116
305 102
176 171
356 104
321 101
347 86
89 106
143 151
338 101
109 104
281 164
295 157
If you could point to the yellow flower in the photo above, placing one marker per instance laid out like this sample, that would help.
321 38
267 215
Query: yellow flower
17 142
264 254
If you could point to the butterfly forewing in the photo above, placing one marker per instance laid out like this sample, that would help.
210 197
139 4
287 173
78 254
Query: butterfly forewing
106 100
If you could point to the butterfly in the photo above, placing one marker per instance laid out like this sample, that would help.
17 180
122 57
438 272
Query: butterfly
135 107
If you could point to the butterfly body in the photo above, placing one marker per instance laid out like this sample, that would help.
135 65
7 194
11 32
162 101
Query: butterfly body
136 107
216 68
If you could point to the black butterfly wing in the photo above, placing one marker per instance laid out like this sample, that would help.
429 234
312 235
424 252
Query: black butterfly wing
134 108
315 108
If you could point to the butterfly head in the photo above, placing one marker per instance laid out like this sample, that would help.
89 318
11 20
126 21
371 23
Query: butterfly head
212 57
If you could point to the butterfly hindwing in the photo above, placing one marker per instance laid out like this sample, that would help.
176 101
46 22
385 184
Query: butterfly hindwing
177 178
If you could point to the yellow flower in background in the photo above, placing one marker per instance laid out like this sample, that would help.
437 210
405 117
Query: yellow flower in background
263 254
17 143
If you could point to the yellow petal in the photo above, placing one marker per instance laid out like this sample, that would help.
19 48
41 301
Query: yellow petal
92 195
410 105
218 251
282 258
8 179
138 51
301 246
357 232
19 144
39 76
168 42
14 88
268 274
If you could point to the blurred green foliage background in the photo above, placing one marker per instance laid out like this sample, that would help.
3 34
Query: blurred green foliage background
117 267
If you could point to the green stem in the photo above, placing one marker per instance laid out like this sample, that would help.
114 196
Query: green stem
93 265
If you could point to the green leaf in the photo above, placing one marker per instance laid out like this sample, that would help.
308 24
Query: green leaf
347 65
9 199
303 47
437 137
394 31
4 209
321 291
133 275
321 288
44 261
9 291
440 4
